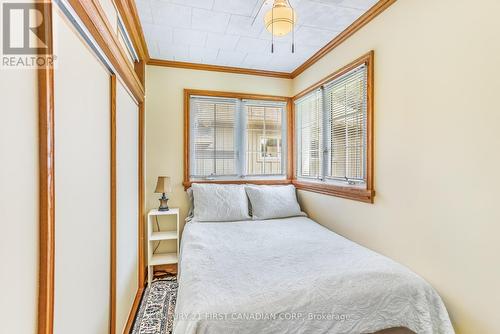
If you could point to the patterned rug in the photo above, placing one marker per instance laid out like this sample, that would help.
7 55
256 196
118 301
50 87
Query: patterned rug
156 314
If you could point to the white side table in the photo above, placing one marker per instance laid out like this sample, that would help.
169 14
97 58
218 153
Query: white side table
155 259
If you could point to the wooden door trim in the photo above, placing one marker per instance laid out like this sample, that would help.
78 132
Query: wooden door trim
112 294
46 181
128 12
95 20
133 311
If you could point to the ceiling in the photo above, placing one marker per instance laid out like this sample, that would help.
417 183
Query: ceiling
232 33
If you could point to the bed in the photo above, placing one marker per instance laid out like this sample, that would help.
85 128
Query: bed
292 275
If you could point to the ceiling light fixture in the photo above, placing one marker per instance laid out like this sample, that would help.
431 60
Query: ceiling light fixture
280 20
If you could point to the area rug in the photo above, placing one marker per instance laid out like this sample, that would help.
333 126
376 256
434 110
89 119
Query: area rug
156 314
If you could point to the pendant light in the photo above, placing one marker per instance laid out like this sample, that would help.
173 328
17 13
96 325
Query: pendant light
280 20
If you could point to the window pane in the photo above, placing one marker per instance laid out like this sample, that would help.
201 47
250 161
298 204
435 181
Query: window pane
263 139
309 140
213 142
345 103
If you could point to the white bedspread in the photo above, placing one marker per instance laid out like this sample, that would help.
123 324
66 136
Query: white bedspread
294 276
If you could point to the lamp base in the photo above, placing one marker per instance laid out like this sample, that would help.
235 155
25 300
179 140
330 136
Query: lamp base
163 203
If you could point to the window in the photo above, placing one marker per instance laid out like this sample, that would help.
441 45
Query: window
333 131
213 130
235 138
264 128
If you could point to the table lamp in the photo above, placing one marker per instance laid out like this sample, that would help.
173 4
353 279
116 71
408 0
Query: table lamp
163 186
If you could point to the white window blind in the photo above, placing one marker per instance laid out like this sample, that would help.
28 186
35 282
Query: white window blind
213 130
341 153
234 138
345 106
309 141
264 130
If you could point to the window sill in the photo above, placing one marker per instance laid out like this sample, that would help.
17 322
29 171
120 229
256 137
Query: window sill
356 194
187 184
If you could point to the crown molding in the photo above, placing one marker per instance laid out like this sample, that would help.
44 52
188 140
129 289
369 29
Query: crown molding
363 20
217 68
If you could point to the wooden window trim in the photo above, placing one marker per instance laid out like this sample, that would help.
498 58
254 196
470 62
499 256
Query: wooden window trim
363 195
289 171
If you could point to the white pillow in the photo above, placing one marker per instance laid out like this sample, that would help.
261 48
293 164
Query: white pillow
219 202
270 202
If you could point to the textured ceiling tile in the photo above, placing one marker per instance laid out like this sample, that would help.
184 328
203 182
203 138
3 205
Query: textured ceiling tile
173 52
257 59
284 50
268 36
309 12
248 44
232 32
312 36
329 2
158 32
240 7
154 51
189 37
242 25
343 16
358 4
170 14
144 9
207 56
232 58
324 16
206 4
221 41
306 51
207 20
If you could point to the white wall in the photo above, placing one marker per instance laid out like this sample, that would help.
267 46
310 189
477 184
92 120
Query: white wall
18 200
437 144
127 210
165 120
82 179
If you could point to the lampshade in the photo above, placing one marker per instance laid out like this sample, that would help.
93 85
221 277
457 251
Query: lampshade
163 185
280 20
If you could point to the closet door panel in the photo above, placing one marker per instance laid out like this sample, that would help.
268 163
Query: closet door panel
127 199
82 169
18 201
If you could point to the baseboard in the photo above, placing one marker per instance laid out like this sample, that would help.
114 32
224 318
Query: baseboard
133 310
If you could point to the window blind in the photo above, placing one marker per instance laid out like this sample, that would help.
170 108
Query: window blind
345 107
309 141
232 138
263 139
331 130
213 131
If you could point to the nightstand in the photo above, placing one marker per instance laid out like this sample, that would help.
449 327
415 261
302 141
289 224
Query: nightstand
155 259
